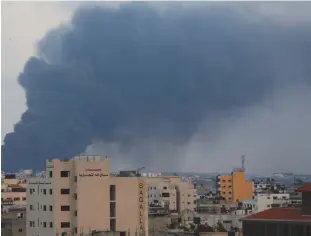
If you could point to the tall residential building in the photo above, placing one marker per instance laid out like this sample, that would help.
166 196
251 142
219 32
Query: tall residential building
172 193
234 187
79 196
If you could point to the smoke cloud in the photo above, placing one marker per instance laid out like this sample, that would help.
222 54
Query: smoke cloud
165 89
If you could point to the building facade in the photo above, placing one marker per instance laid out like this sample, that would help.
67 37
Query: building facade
79 196
282 221
13 191
171 192
235 187
13 222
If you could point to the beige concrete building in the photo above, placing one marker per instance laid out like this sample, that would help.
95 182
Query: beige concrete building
13 191
172 192
79 196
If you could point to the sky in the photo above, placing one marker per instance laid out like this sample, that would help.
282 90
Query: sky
273 137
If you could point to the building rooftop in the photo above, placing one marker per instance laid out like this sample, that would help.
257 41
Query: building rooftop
304 188
280 214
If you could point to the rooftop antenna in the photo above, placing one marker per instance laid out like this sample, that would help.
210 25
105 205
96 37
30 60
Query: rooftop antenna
243 162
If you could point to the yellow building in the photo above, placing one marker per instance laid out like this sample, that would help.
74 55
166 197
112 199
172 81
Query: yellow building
234 187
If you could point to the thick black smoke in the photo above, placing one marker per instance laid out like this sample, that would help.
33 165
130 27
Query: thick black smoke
129 74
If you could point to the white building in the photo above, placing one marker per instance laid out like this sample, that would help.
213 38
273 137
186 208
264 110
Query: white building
267 201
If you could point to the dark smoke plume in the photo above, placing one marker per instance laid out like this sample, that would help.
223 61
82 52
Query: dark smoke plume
133 73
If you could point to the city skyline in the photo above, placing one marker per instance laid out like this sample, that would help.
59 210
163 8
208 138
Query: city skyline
267 119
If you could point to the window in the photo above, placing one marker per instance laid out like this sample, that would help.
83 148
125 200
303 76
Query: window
188 203
16 199
65 224
51 224
164 187
44 191
76 230
112 192
76 212
65 208
112 209
24 199
51 208
51 174
20 230
165 194
65 191
44 208
51 191
76 196
76 178
64 174
44 224
31 207
112 224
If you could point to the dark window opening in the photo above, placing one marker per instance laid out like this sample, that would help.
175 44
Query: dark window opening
65 208
112 224
65 224
112 209
51 224
51 174
64 174
51 191
165 194
112 192
65 191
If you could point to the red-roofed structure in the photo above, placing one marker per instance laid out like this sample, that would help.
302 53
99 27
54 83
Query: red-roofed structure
305 188
282 221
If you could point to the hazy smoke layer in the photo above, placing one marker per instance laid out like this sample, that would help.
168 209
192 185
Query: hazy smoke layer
132 77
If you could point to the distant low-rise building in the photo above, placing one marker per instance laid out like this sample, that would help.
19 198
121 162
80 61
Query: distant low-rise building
13 191
79 196
13 222
171 192
282 221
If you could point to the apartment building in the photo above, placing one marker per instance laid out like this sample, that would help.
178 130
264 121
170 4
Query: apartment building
13 191
79 196
234 187
171 192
